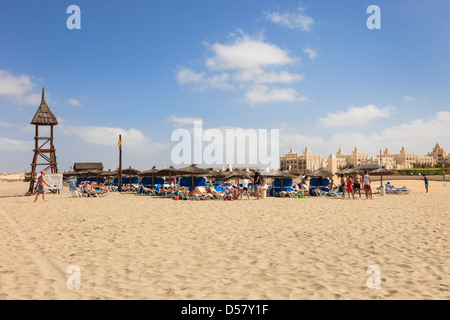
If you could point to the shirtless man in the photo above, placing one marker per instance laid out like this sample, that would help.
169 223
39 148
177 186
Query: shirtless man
357 184
40 186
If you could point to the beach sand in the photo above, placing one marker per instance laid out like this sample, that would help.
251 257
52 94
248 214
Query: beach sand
139 247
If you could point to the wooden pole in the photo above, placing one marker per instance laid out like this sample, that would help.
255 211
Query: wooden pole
120 163
443 166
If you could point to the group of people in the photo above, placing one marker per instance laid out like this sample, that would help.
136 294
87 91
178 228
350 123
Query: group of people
353 184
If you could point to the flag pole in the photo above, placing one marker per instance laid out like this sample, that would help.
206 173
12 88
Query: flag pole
443 166
120 163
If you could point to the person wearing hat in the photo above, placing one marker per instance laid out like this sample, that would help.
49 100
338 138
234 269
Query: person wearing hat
244 188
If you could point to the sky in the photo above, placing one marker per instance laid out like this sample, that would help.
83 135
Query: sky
144 69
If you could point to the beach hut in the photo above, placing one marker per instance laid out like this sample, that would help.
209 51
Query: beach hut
85 166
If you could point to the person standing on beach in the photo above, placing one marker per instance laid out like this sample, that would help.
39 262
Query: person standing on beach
357 184
244 188
367 187
257 182
343 186
40 186
350 187
425 179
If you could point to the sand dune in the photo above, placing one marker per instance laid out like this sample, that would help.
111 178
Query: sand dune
139 247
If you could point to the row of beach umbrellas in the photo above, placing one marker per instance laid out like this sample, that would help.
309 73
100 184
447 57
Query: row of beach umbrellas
194 171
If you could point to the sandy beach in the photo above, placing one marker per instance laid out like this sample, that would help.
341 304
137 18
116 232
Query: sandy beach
139 247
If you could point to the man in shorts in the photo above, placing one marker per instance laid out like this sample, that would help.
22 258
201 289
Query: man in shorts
257 182
425 179
40 186
357 184
244 188
367 187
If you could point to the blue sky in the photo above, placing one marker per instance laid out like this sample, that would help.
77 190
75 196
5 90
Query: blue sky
144 68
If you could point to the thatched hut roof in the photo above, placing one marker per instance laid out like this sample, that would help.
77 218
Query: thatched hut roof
368 167
171 171
238 174
320 173
149 173
81 166
217 174
130 171
194 170
282 175
382 172
43 115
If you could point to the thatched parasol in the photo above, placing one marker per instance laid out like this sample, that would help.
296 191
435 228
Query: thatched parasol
193 170
348 171
320 173
153 172
238 174
295 172
368 167
382 172
84 173
109 173
217 174
282 175
130 172
170 171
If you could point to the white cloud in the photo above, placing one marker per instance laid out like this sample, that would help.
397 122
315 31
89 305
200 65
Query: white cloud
259 76
15 145
183 121
107 136
260 94
408 98
247 63
355 116
74 102
293 20
18 89
187 76
28 128
202 81
247 53
311 53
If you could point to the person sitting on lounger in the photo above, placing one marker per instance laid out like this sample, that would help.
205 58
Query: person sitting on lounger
195 191
390 186
332 185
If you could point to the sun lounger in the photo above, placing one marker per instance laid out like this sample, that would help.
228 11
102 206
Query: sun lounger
389 189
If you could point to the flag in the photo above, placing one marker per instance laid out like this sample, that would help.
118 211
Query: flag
119 143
